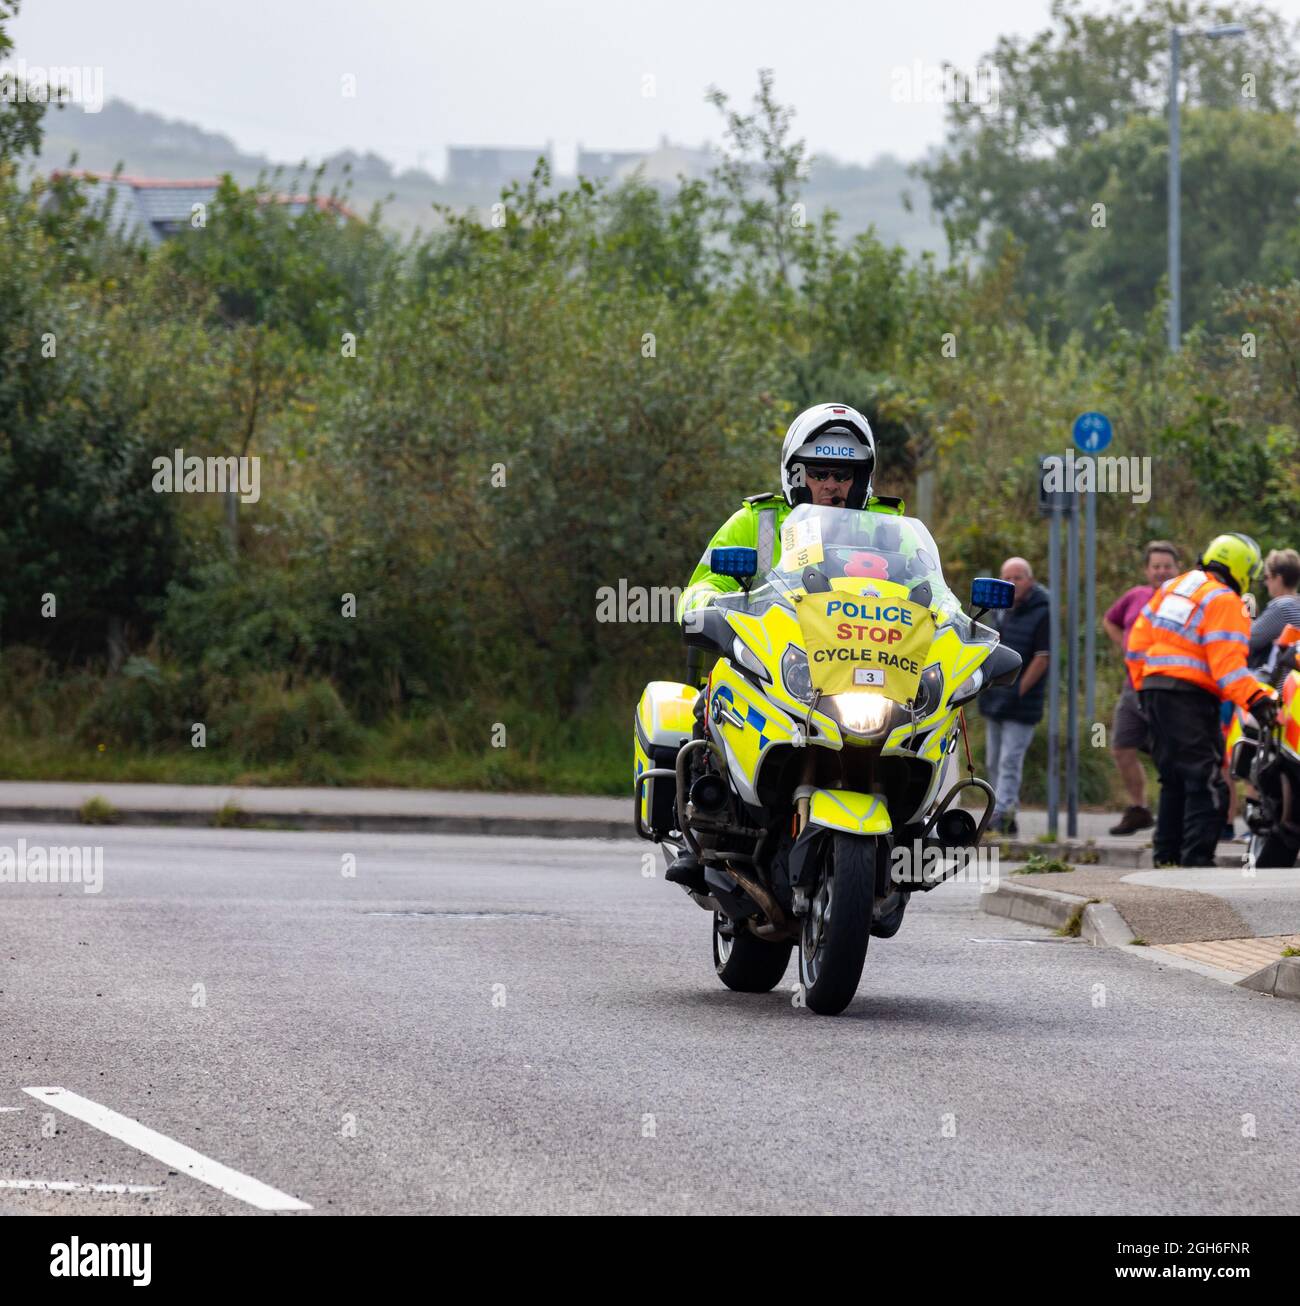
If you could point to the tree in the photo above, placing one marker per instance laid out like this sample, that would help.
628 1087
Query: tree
82 523
1031 164
1241 177
278 286
758 184
20 118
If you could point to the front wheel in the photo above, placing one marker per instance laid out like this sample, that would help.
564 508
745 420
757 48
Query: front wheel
837 928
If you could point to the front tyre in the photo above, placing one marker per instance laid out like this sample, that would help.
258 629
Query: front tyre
745 963
837 928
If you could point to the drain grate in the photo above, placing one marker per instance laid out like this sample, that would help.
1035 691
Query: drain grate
465 915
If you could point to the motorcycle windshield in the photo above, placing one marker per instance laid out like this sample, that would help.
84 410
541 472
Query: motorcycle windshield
842 542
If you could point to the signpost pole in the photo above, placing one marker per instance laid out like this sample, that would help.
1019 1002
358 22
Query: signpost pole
1092 433
1090 616
1072 664
1053 661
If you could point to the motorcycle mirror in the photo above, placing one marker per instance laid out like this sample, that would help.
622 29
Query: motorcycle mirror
1003 666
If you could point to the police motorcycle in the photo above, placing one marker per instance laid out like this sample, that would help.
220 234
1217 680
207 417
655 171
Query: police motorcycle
1270 760
819 745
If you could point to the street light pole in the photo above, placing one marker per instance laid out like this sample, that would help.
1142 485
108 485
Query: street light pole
1176 35
1175 192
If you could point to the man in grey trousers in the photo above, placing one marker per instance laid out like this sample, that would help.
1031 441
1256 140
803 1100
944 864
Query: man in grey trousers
1012 712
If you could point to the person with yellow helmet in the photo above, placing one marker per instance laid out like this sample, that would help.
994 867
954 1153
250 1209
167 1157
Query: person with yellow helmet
1187 653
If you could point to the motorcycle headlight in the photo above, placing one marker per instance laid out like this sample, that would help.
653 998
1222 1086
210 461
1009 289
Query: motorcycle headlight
795 674
929 693
862 712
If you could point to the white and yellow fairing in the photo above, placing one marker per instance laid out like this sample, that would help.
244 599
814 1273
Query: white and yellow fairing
665 718
751 712
748 721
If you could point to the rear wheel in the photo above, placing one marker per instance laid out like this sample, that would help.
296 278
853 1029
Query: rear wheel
743 962
837 928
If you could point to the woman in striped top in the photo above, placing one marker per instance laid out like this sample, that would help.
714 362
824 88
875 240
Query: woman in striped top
1281 578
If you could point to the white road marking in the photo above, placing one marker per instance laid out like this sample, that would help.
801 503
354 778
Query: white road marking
169 1151
10 1108
65 1186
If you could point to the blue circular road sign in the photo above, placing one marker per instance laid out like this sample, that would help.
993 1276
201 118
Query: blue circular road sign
1092 432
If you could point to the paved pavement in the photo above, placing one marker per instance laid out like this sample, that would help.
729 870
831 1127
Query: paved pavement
399 810
1240 956
470 1024
327 801
1267 899
1159 912
321 801
1236 918
1093 826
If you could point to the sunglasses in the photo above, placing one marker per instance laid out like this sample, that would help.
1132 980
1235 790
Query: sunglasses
820 474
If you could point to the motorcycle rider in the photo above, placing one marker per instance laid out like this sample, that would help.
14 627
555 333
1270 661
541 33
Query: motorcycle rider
828 458
1187 652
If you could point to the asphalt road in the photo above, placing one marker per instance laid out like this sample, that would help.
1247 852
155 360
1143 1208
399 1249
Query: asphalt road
480 1025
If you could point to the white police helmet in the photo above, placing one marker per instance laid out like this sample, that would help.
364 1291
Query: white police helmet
829 434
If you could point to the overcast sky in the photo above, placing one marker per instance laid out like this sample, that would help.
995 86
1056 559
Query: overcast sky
431 73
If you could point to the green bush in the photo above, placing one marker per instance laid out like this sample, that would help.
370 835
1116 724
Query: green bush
143 706
275 721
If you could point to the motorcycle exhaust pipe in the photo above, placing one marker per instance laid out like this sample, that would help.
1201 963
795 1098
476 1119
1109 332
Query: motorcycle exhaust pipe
776 924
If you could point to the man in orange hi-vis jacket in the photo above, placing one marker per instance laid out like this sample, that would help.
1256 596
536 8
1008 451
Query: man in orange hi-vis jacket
1187 652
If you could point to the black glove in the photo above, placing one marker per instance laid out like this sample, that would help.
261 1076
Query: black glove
1263 707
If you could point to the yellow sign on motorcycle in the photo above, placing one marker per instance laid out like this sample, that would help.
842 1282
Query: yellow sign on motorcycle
801 544
865 642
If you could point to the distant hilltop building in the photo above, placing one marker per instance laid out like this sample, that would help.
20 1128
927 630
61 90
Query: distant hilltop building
489 166
661 166
156 207
609 165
